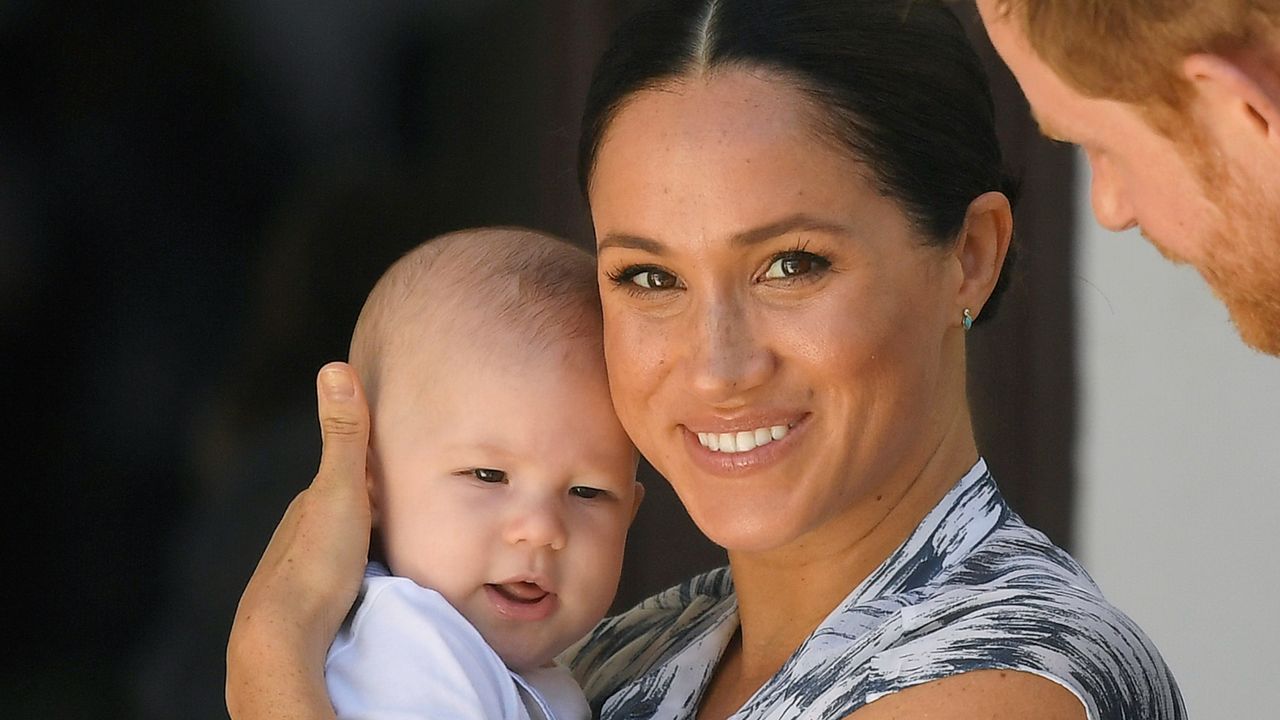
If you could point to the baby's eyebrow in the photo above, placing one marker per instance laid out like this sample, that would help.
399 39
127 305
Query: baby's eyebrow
491 451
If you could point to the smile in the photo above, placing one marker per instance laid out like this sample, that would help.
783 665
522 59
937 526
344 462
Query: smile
522 592
522 601
742 440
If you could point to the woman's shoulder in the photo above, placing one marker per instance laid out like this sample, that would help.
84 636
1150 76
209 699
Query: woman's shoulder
624 646
1018 602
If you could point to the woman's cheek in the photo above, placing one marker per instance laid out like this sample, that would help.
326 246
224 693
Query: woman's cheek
636 352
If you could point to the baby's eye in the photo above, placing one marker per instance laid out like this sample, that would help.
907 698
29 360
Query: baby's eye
795 264
489 475
586 493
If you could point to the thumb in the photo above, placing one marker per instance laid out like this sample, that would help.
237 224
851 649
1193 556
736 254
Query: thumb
344 426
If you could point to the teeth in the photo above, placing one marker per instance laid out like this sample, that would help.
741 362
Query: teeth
743 440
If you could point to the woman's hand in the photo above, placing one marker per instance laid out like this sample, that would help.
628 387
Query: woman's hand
310 572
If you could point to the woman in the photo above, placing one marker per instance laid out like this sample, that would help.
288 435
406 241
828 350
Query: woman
798 216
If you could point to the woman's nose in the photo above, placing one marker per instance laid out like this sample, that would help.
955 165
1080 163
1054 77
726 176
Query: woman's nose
538 524
1111 204
728 354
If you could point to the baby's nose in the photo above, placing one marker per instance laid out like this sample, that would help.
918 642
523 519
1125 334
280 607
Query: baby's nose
537 524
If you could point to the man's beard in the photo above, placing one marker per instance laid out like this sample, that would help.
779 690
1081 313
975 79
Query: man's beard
1247 279
1241 261
1240 258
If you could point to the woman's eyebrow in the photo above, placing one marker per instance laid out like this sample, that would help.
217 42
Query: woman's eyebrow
631 242
791 223
753 236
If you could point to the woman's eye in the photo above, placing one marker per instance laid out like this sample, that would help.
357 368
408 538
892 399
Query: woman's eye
586 493
648 278
655 279
489 475
795 264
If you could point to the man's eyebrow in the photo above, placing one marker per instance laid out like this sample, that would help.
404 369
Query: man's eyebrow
754 236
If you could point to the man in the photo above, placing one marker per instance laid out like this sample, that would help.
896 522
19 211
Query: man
1176 104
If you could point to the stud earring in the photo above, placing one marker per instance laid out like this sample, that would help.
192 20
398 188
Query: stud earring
968 319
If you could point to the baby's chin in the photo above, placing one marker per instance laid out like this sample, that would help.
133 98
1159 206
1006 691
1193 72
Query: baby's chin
522 652
529 646
525 659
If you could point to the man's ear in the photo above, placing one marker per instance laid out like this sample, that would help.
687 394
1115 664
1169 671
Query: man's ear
1242 88
639 497
980 250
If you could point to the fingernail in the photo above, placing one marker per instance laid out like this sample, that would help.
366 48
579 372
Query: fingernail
337 384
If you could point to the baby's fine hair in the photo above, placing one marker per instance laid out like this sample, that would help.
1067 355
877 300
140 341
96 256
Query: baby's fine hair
519 290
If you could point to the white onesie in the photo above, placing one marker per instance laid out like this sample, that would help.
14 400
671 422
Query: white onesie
408 654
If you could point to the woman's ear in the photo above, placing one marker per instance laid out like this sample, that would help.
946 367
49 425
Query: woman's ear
1239 93
980 250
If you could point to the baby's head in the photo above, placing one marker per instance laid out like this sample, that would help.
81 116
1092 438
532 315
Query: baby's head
499 474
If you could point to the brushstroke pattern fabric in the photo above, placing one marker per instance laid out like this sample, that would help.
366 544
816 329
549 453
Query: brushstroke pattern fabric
973 588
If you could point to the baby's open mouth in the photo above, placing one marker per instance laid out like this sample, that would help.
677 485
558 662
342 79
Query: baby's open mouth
520 592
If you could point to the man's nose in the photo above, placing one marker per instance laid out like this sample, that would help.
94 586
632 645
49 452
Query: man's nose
1111 203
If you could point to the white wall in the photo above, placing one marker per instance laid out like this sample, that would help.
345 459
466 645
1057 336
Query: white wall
1178 510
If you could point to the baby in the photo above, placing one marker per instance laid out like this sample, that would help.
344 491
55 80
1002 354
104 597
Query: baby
501 482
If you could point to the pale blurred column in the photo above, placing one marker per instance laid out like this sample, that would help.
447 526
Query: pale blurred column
1179 470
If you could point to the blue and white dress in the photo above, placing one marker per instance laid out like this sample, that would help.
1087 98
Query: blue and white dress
973 588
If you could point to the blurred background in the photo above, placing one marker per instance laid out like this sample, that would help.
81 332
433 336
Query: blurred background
196 197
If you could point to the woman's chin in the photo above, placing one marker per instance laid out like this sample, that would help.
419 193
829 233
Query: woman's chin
745 525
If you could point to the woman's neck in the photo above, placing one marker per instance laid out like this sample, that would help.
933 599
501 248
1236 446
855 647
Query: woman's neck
785 593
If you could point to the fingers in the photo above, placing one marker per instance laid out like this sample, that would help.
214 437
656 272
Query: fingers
344 426
310 572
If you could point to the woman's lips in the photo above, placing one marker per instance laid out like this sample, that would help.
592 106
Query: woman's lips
524 601
742 440
743 448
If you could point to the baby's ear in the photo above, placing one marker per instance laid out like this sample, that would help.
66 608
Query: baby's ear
370 471
639 497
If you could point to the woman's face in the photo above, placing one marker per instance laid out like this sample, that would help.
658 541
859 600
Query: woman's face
782 345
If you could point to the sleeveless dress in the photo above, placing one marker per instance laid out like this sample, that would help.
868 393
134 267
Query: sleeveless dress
973 588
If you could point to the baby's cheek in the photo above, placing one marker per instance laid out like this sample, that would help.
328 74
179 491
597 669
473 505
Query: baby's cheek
609 530
425 548
609 548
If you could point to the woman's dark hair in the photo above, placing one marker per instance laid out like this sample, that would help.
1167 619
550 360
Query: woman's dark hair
896 81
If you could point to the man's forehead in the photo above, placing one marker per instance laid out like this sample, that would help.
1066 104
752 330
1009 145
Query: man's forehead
1047 94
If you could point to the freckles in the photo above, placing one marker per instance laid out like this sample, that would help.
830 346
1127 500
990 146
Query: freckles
650 345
